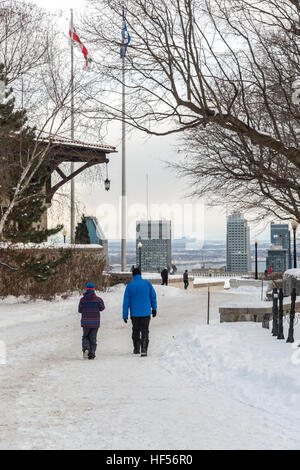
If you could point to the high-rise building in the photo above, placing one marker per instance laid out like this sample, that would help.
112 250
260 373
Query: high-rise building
238 257
277 259
156 251
280 236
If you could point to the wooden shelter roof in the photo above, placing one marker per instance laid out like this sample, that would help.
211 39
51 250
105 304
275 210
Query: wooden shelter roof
73 150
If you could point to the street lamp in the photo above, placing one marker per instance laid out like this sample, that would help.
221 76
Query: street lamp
256 267
107 181
294 225
140 254
64 234
107 184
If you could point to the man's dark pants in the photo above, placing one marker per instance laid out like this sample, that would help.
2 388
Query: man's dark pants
89 340
140 333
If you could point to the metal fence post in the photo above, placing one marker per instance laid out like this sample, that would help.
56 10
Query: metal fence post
275 312
266 321
292 317
280 315
208 304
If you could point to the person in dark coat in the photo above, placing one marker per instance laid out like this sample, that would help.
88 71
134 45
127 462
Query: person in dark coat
186 279
90 307
164 276
140 300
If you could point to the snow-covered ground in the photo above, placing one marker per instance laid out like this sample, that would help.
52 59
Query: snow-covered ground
222 386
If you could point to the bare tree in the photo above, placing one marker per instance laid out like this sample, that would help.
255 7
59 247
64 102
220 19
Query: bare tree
223 74
24 37
32 65
36 63
191 63
228 169
22 155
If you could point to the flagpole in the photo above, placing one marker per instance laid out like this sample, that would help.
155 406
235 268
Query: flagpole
147 189
72 221
124 202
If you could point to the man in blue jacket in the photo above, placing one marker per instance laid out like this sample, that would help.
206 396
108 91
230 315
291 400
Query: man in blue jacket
140 300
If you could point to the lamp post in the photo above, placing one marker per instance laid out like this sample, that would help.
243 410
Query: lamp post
107 181
140 254
280 315
256 267
64 234
275 312
294 227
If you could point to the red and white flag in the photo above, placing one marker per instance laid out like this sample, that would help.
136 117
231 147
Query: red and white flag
82 46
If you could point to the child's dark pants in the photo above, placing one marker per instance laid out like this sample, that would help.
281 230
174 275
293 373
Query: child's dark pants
89 340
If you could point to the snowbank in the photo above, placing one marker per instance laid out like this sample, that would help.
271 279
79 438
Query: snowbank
242 360
295 272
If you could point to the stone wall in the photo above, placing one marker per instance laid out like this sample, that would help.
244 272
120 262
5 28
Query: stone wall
255 314
290 281
205 285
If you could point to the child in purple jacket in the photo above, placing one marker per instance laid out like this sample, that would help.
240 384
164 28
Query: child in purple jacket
90 307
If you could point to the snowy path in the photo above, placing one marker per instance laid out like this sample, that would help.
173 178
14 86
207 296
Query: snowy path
52 399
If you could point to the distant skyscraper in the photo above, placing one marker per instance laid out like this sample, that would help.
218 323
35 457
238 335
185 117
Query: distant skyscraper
238 258
277 259
280 236
155 236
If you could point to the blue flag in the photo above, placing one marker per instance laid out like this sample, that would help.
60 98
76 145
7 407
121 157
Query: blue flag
126 38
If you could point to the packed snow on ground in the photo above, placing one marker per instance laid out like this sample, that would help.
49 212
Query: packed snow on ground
217 386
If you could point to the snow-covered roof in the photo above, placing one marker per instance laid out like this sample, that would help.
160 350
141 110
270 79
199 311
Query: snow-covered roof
62 140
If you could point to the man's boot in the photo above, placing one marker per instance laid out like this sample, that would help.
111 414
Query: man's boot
137 346
144 348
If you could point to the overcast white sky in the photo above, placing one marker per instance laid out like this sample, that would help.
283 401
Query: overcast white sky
145 155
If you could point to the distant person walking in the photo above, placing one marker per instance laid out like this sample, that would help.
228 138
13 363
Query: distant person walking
90 307
164 276
140 301
186 279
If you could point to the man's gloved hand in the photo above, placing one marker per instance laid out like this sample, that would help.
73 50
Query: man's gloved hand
125 320
154 313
